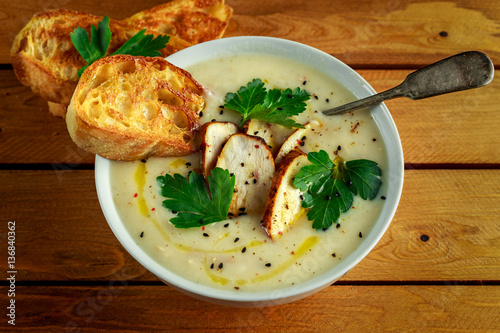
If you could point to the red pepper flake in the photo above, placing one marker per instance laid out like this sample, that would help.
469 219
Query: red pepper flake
153 209
135 195
256 146
203 228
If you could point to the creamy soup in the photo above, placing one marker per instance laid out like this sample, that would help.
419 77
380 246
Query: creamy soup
237 254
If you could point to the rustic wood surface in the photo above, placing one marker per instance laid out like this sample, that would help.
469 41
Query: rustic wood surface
73 275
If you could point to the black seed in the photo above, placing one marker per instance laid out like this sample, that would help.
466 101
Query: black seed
382 197
205 234
339 148
289 96
221 106
301 197
236 239
256 132
334 255
281 109
255 181
231 174
188 164
214 120
143 160
304 83
221 265
174 212
424 238
227 224
337 226
360 235
303 138
230 214
374 139
221 112
325 229
327 100
443 34
243 250
316 97
142 234
242 209
246 183
302 143
200 114
242 164
268 264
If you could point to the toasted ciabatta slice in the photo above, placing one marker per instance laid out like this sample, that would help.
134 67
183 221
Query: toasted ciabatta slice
213 136
251 161
195 21
128 108
284 203
45 60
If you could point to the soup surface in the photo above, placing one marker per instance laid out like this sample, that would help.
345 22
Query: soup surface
237 254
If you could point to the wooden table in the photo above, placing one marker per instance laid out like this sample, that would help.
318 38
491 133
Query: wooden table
436 269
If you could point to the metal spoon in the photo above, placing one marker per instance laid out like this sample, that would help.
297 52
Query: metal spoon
463 71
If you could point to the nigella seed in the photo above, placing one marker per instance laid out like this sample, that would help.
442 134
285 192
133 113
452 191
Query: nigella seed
301 197
339 148
214 120
205 234
424 238
236 239
382 197
227 224
327 100
316 96
221 265
230 214
268 264
281 109
334 255
221 106
243 250
174 212
303 138
143 160
337 226
221 112
360 235
242 209
188 164
212 266
304 83
302 143
255 181
200 114
142 234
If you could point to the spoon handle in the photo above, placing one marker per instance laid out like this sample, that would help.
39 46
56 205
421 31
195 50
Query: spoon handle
463 71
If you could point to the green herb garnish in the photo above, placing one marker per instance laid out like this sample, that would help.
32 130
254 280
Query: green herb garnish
329 186
274 106
96 47
190 198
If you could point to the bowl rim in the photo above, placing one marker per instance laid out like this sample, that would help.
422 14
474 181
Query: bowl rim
314 58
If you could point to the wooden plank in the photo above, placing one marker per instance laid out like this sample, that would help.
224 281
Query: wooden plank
458 128
116 306
62 234
361 33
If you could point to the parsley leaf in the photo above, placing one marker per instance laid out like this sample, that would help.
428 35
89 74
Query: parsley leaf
100 38
364 176
143 45
190 198
329 186
326 206
97 46
275 106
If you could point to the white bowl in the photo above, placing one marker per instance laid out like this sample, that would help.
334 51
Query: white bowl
331 67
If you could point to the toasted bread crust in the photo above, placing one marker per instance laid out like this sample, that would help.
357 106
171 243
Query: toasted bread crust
195 21
129 108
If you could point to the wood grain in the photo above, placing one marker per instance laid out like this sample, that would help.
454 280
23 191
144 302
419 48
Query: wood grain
63 236
459 128
363 33
117 306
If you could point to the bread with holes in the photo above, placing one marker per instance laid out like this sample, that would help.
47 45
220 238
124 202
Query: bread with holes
45 60
129 108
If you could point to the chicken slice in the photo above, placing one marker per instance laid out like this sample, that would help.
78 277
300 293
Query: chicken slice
294 141
213 137
284 204
250 160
